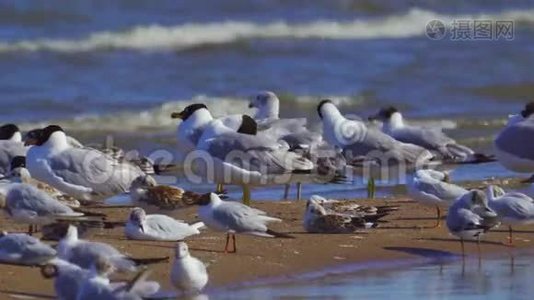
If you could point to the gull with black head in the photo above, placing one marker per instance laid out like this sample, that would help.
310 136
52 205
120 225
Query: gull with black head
86 174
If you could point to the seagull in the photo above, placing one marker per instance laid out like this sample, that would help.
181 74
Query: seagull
195 118
188 273
431 187
358 141
69 278
470 217
11 145
234 217
432 139
318 219
351 207
22 249
27 204
511 208
19 174
141 226
83 173
98 286
292 131
246 159
145 189
511 149
85 253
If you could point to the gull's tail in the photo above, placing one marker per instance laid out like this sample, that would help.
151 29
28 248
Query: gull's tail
198 225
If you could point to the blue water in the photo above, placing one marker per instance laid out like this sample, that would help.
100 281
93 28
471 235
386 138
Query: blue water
443 276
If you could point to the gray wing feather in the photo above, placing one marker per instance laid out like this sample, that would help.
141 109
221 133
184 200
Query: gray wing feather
428 138
445 191
26 197
239 218
91 168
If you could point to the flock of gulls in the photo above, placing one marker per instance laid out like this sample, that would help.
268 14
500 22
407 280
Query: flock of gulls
50 181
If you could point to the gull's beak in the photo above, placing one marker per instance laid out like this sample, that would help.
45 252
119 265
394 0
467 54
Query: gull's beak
177 115
142 228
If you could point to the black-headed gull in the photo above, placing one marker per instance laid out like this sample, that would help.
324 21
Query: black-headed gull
432 139
431 187
470 217
360 142
11 145
22 249
156 227
86 174
188 273
512 208
234 217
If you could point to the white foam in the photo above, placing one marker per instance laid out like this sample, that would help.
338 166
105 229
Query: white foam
185 36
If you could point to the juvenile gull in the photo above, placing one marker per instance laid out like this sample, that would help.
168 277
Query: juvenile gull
432 139
234 217
470 217
188 273
318 219
511 144
11 145
155 227
22 249
512 208
145 189
83 173
368 144
431 187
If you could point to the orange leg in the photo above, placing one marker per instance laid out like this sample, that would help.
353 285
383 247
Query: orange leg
438 218
510 239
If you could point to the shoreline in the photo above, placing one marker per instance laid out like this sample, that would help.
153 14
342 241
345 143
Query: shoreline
404 238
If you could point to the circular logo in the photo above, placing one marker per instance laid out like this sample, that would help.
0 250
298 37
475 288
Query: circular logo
435 30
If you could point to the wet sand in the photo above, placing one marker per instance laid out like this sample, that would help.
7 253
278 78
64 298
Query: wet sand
406 235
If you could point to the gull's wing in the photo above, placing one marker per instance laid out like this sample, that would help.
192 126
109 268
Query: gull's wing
26 197
256 154
429 138
512 139
24 249
240 218
91 169
443 190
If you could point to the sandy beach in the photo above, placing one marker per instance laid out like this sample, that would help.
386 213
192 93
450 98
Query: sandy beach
407 234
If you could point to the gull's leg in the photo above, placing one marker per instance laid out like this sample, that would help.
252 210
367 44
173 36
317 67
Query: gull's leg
286 191
227 242
234 242
219 188
510 240
299 190
30 229
463 249
478 251
246 195
438 218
